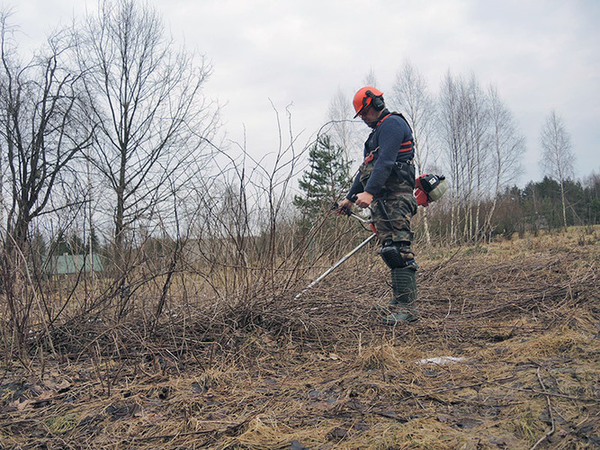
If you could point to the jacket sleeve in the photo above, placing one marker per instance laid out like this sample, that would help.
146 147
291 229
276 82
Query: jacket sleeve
355 189
392 134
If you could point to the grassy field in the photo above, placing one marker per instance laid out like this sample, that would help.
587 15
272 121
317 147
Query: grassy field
506 355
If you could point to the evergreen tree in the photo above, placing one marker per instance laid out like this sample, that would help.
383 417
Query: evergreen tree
542 201
592 199
326 179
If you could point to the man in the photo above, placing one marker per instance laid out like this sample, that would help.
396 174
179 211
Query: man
385 183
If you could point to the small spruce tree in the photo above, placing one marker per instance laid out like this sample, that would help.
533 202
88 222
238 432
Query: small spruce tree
325 181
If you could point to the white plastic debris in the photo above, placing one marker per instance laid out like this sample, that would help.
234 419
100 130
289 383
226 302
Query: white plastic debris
441 360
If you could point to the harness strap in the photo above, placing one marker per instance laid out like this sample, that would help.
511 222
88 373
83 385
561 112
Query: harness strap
382 119
404 147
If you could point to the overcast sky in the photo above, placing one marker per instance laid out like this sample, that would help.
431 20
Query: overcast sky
540 54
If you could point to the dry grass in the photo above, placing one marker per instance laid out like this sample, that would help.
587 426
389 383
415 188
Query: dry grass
522 317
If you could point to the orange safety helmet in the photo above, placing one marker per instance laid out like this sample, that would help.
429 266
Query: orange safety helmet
366 96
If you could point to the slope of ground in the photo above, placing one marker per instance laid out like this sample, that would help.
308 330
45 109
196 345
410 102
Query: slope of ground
506 355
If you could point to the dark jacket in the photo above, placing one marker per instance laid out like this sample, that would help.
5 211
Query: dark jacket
388 156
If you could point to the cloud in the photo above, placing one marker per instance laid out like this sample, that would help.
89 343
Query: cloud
540 54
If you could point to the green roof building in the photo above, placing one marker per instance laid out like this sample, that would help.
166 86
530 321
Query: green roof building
70 264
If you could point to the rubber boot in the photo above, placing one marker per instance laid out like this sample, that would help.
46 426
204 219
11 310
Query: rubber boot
404 286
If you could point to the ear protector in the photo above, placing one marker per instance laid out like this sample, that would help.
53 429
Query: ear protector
376 101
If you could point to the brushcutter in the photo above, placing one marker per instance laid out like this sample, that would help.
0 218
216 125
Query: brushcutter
349 254
429 188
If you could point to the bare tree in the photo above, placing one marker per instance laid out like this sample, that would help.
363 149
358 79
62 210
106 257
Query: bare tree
477 118
411 97
42 129
342 129
370 78
557 157
146 98
507 145
452 134
464 126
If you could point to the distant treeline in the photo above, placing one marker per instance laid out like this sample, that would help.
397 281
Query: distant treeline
535 207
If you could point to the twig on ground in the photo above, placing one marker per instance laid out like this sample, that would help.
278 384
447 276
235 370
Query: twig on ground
549 433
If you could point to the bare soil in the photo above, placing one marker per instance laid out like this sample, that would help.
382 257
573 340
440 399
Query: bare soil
506 355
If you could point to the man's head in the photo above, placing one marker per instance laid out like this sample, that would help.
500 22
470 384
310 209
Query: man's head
368 98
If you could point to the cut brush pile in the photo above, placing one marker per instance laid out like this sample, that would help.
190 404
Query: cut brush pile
506 355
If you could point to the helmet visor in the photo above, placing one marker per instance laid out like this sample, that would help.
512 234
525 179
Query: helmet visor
364 107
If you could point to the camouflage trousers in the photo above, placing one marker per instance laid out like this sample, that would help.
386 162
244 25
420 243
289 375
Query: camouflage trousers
391 215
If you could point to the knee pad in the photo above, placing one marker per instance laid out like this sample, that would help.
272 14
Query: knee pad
397 254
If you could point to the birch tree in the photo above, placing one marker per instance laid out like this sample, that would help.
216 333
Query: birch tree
557 157
464 130
477 119
370 78
507 146
411 97
343 131
452 132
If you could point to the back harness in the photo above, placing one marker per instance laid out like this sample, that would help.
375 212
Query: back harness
404 147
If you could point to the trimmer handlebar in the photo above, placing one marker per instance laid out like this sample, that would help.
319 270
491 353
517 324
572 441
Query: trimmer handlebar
348 212
335 206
